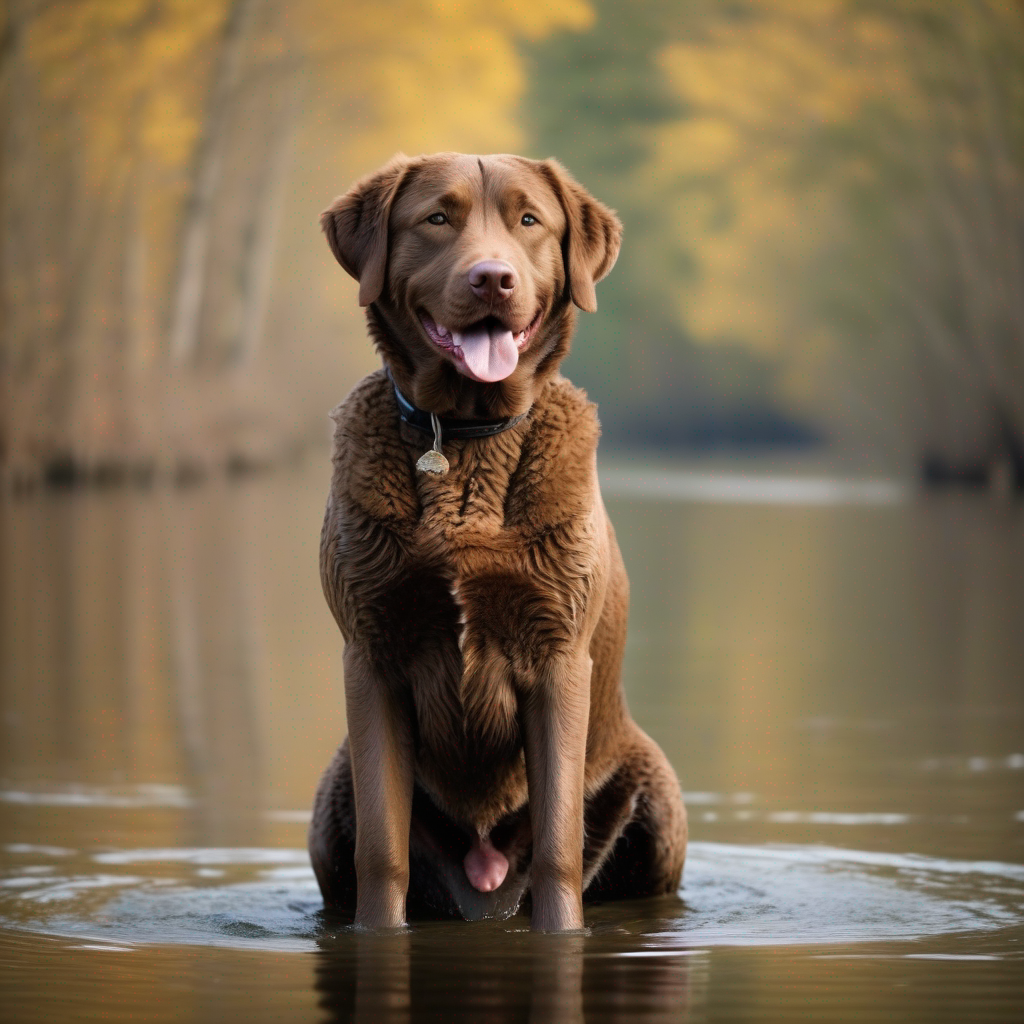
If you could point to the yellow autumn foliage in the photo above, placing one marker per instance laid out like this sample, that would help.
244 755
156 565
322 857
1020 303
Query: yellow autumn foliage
127 65
125 95
727 236
433 74
753 91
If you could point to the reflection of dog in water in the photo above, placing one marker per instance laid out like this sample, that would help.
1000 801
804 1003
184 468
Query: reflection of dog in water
478 584
388 978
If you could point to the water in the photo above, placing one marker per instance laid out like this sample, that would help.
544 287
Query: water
834 669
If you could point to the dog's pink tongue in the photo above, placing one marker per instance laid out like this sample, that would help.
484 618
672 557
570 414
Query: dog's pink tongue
485 866
490 353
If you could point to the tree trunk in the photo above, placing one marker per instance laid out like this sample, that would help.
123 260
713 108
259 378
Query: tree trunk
258 260
188 303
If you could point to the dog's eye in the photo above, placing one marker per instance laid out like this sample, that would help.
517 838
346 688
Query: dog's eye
528 219
437 218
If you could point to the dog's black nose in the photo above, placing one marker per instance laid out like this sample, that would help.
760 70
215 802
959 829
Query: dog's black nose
492 280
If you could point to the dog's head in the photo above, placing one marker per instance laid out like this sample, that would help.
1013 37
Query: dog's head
470 267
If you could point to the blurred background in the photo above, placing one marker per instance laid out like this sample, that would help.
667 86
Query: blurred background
823 201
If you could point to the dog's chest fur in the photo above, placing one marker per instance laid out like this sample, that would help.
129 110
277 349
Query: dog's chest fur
462 585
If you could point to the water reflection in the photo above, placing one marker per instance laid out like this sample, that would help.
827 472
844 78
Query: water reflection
131 654
818 659
155 638
214 643
461 976
840 675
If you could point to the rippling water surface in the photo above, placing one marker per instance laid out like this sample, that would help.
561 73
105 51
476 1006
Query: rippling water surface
834 669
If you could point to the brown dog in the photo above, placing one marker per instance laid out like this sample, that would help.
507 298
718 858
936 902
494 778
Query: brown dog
490 751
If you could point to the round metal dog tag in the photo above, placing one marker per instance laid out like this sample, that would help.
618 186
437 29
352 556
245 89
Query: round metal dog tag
432 462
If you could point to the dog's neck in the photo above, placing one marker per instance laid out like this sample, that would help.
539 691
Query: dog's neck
431 384
452 428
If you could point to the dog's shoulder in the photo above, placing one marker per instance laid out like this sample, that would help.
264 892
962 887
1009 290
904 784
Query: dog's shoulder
564 414
557 475
372 471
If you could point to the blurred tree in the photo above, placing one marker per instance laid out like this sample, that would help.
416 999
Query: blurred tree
208 167
797 179
800 178
596 102
434 74
108 111
849 172
946 202
606 102
145 182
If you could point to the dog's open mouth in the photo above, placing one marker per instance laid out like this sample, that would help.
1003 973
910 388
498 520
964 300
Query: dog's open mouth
485 351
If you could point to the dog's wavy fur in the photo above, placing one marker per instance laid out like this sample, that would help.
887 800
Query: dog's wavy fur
484 611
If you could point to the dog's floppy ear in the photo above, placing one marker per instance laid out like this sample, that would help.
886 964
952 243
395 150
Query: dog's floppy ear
594 235
356 226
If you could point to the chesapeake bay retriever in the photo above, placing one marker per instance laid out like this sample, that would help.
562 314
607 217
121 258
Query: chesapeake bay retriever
481 595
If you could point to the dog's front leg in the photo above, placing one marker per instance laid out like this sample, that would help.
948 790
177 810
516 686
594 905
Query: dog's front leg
380 741
555 715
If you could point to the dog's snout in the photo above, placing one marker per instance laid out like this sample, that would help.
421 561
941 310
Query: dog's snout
492 280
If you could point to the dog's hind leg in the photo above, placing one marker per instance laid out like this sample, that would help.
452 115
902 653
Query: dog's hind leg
636 828
332 833
606 814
